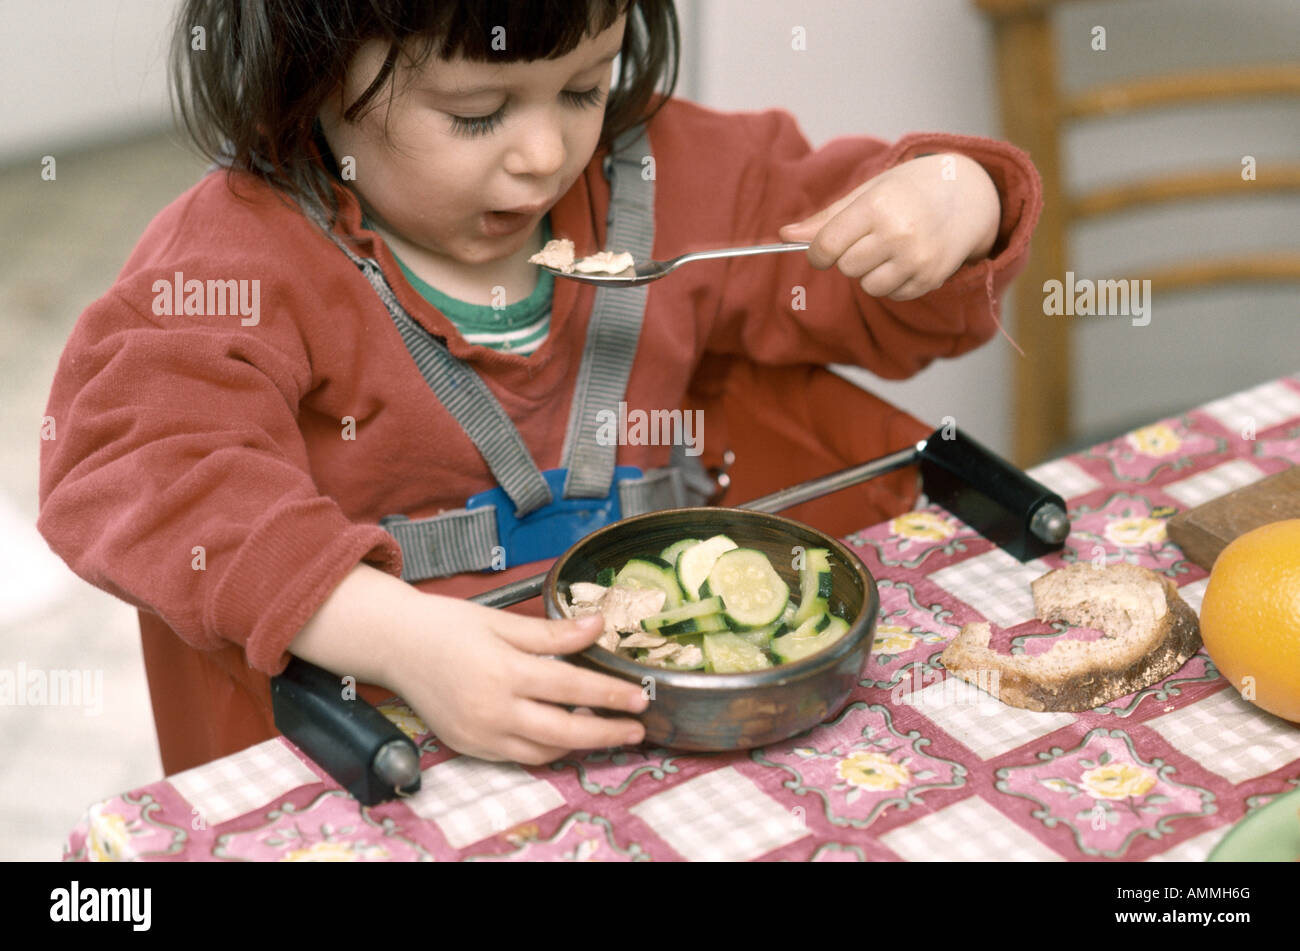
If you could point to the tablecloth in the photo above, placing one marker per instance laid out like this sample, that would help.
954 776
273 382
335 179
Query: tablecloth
917 765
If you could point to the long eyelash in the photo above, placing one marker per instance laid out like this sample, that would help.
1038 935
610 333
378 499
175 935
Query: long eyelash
592 97
475 126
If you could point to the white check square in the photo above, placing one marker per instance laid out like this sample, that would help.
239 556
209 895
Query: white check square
470 799
248 780
1064 478
995 584
1257 408
967 831
986 726
720 817
1213 483
1230 736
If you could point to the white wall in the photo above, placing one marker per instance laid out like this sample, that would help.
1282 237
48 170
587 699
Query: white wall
75 71
885 68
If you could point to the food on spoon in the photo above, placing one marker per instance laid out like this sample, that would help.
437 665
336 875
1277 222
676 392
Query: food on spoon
713 605
557 254
1150 633
605 262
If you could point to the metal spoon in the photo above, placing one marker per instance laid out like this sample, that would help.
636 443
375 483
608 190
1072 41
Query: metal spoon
643 272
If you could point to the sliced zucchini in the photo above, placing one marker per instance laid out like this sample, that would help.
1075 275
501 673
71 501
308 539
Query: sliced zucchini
728 653
814 584
652 573
814 635
761 637
605 577
791 609
694 625
694 563
752 591
670 553
684 612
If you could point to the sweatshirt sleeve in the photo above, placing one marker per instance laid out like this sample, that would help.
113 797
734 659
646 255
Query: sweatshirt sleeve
178 480
792 313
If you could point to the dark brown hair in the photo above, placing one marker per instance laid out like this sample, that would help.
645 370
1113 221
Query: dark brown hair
249 98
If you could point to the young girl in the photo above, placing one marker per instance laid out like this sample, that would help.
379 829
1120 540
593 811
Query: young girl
247 422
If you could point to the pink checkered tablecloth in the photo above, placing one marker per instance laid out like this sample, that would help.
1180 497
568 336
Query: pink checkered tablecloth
911 768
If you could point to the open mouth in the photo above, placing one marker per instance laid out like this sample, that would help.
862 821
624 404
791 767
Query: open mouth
501 223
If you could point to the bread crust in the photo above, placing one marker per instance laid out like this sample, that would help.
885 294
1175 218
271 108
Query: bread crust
1135 662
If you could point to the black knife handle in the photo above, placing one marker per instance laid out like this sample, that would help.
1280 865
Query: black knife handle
343 736
991 495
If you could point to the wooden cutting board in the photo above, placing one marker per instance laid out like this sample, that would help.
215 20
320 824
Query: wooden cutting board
1204 531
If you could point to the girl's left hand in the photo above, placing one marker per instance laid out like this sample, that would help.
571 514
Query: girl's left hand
904 232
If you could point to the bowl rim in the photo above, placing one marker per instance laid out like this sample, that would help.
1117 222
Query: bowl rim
702 680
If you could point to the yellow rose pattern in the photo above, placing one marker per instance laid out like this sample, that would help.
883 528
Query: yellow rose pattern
873 771
922 526
405 719
1157 440
109 839
893 639
1118 781
1106 796
1136 532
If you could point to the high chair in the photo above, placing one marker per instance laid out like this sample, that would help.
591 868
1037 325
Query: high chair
785 425
1035 114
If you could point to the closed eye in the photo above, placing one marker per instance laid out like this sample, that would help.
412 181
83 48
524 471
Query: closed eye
591 97
474 126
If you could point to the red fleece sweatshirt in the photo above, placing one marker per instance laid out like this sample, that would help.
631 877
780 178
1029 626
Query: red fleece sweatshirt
200 470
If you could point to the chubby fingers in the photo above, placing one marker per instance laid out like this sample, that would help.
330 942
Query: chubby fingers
827 243
540 678
539 636
551 726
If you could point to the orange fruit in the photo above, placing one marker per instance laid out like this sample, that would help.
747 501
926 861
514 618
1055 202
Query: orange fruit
1250 617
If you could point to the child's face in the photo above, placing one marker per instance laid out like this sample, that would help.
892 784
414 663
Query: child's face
475 153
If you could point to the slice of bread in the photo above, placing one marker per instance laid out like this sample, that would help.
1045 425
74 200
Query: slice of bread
1151 632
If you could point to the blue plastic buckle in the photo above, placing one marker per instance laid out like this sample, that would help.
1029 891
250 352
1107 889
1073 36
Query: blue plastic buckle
549 531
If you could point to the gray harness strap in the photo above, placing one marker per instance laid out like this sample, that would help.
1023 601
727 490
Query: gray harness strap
444 544
615 325
465 396
466 539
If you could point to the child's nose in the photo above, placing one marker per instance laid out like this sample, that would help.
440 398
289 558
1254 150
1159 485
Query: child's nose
538 150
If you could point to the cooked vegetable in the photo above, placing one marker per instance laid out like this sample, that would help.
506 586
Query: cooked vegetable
731 654
652 573
814 635
684 612
752 591
814 584
695 625
724 609
670 553
695 563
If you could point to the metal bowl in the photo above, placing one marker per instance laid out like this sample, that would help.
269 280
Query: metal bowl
693 710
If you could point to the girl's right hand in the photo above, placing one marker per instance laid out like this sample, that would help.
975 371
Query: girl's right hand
478 678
